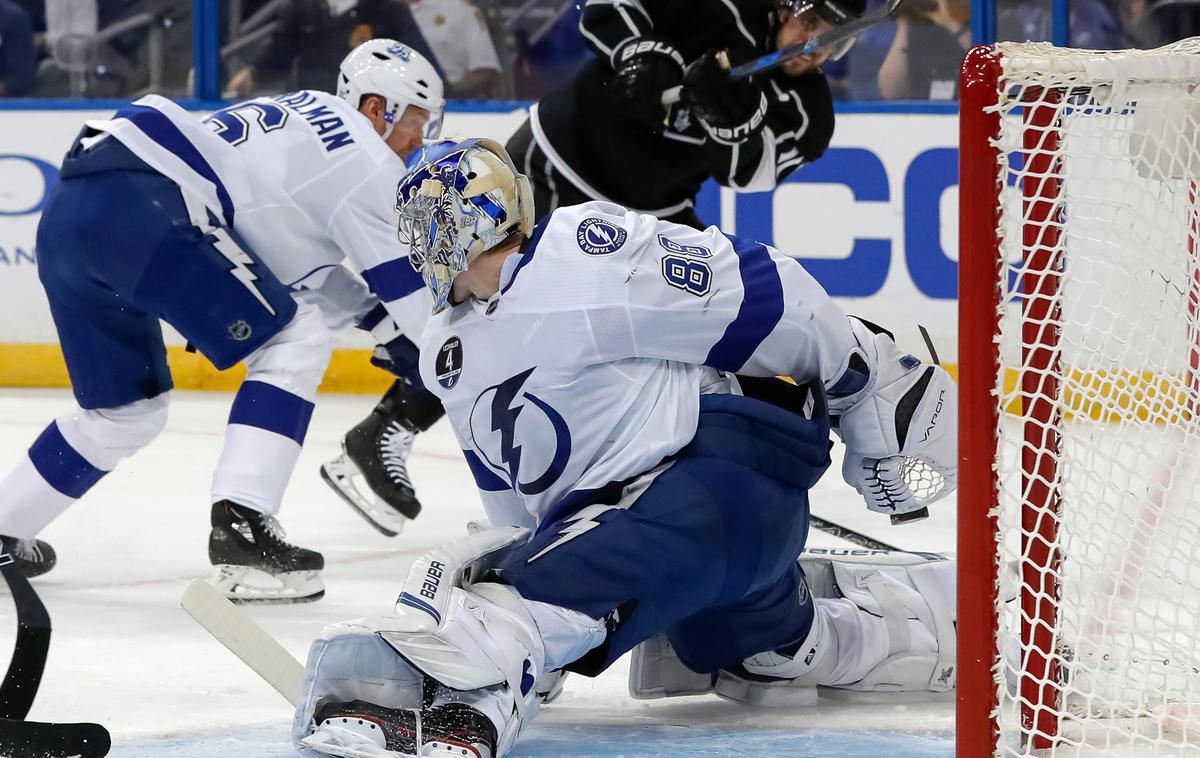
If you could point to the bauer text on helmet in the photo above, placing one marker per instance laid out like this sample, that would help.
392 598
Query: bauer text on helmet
459 205
398 74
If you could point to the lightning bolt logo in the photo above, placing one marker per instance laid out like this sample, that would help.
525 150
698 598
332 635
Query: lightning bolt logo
241 261
504 420
505 406
581 523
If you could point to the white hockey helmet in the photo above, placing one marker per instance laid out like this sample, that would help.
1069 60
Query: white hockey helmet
463 199
398 74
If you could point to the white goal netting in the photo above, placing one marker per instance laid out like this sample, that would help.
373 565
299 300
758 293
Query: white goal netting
1098 387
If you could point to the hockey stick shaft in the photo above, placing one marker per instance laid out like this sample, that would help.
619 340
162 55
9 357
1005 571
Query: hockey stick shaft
850 535
779 57
24 676
230 626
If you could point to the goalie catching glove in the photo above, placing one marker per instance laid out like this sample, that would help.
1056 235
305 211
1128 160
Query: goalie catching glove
898 418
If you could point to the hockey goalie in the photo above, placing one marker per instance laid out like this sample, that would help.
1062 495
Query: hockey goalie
609 377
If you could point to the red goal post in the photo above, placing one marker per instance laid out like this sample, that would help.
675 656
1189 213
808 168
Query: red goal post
1079 489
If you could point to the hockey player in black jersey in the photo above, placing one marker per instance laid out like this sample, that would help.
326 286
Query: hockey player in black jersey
606 135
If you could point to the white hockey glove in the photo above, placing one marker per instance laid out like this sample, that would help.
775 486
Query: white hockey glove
900 428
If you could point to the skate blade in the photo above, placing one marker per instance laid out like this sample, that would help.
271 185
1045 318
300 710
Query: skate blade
246 585
344 478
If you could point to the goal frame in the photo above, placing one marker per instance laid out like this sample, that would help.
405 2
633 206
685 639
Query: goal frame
980 266
976 730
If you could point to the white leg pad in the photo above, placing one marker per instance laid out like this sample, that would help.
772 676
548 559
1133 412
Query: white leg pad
655 671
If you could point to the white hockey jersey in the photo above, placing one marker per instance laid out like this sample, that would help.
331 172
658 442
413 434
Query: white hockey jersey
586 368
302 178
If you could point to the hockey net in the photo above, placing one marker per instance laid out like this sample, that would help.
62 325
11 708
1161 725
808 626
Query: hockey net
1080 384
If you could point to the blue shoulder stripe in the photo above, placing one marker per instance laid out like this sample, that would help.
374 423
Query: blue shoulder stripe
159 128
761 309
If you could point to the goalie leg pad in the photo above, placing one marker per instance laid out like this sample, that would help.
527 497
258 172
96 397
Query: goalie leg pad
894 624
480 646
882 627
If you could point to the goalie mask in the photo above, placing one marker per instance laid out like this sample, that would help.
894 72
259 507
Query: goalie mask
835 12
463 199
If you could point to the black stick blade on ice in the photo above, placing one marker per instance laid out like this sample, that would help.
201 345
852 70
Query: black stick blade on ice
34 739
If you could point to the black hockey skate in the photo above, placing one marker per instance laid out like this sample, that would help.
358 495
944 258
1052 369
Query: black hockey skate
354 728
254 562
371 474
33 557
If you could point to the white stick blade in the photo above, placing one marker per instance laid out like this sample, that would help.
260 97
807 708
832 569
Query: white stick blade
244 638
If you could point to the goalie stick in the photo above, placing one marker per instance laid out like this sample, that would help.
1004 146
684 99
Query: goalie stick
846 533
33 739
776 59
230 626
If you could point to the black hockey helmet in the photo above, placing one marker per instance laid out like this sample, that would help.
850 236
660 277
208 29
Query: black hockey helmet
836 12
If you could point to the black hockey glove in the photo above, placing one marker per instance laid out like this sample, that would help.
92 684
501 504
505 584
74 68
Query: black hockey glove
730 111
645 68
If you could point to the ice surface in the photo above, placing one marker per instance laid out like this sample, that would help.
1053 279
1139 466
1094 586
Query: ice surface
125 655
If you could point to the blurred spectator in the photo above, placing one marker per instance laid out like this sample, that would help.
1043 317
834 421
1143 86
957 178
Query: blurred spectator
855 76
547 58
313 38
931 38
462 45
17 61
1094 25
37 13
102 48
1152 23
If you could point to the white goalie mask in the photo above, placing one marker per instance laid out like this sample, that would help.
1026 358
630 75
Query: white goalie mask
460 200
398 74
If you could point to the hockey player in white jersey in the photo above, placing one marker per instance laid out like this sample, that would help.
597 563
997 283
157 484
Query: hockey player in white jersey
402 95
589 366
272 195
